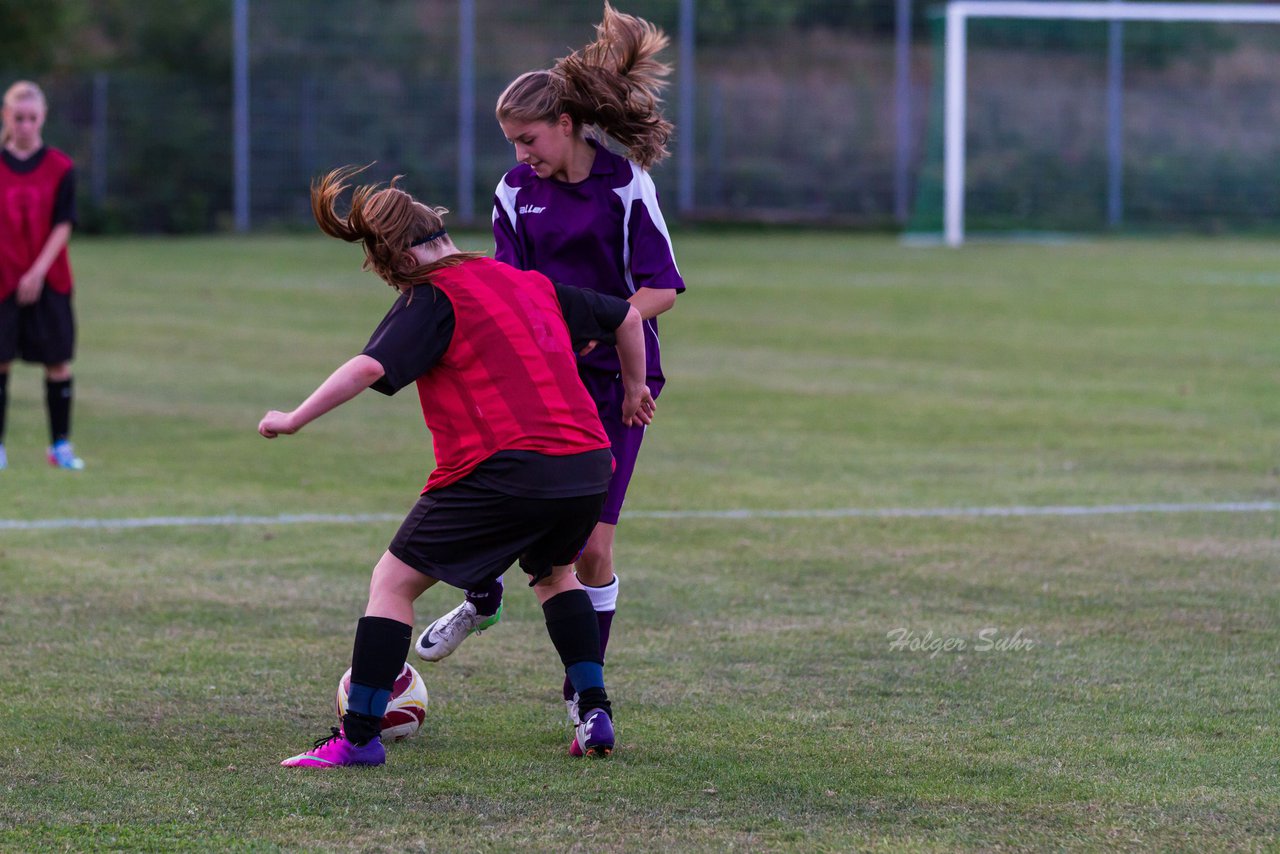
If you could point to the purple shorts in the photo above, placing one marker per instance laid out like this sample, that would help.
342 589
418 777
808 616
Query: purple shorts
606 390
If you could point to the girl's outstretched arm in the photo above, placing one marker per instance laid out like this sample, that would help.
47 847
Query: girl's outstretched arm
343 384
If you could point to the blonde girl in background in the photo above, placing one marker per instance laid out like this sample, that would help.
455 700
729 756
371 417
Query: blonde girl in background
37 213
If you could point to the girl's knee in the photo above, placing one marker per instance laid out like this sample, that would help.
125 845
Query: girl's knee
596 562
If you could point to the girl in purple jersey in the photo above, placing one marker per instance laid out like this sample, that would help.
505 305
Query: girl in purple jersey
584 216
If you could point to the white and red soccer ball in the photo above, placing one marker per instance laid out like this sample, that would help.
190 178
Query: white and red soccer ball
406 710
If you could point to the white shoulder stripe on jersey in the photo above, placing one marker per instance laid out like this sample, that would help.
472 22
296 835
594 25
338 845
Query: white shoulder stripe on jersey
506 196
628 195
641 188
649 195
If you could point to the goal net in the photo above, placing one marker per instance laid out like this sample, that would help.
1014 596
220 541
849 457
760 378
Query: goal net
1092 116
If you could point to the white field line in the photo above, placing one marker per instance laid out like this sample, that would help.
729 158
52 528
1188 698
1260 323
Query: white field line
730 515
963 512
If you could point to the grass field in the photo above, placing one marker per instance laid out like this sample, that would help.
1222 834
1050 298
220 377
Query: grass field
1116 688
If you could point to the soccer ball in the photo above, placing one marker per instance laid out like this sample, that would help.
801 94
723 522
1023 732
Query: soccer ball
406 709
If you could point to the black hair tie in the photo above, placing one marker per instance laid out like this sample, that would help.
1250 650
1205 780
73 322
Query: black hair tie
435 235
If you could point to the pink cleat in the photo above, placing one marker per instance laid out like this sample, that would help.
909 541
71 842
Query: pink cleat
334 751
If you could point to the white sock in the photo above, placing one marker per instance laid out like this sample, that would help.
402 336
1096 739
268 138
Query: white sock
604 598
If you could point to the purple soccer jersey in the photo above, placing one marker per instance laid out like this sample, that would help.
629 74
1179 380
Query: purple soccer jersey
605 233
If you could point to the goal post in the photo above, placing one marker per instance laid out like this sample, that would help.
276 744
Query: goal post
960 12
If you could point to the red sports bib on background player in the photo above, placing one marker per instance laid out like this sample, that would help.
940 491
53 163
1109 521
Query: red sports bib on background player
26 218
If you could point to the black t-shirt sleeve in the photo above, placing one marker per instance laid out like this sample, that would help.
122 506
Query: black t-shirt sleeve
64 204
591 315
412 338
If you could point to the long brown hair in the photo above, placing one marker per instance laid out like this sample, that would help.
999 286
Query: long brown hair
615 84
387 220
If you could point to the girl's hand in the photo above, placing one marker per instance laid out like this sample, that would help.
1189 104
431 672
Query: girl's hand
276 424
29 287
638 407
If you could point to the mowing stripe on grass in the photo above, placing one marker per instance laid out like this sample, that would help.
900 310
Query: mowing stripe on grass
838 513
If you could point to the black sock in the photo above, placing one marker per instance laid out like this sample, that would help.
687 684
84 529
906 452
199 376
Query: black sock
4 402
360 729
575 633
593 698
376 660
57 396
488 598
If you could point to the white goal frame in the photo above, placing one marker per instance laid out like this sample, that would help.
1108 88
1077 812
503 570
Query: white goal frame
960 11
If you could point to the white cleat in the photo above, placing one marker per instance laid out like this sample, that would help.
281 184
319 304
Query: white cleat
447 633
571 709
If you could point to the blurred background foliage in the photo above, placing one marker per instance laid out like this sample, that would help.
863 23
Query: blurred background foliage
797 109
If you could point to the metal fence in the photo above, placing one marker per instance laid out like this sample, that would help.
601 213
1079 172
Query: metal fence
786 111
1091 124
793 124
790 123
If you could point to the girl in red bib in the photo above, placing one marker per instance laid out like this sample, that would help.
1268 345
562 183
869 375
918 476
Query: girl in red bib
37 213
583 215
522 459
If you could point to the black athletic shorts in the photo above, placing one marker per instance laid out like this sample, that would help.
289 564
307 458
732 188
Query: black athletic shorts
466 534
43 332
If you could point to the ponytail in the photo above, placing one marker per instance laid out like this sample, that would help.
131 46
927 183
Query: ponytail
387 221
615 83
